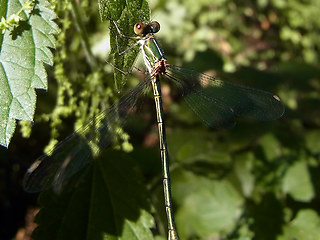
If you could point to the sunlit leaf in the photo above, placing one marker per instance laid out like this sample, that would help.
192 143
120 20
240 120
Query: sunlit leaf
23 51
304 226
297 182
207 207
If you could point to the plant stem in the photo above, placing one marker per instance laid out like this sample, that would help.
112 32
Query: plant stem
84 36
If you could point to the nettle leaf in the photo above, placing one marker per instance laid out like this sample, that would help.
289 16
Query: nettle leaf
23 50
126 14
103 201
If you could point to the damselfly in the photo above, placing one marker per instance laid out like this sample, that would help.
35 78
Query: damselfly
216 102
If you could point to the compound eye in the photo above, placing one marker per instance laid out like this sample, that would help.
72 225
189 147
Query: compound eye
139 28
155 26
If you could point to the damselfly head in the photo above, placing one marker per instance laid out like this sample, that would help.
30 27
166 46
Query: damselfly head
143 29
155 26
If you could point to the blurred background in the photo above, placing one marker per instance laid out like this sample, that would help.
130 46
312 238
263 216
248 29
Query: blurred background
258 180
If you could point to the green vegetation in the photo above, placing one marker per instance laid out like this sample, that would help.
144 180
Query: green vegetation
258 180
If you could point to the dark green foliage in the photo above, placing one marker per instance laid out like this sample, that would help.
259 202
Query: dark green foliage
107 201
258 180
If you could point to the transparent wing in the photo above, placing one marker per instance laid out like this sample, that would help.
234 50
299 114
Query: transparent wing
218 102
76 151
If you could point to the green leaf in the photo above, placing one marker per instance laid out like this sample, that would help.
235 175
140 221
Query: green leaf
23 50
312 141
126 14
304 226
297 182
271 147
243 168
108 202
207 207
